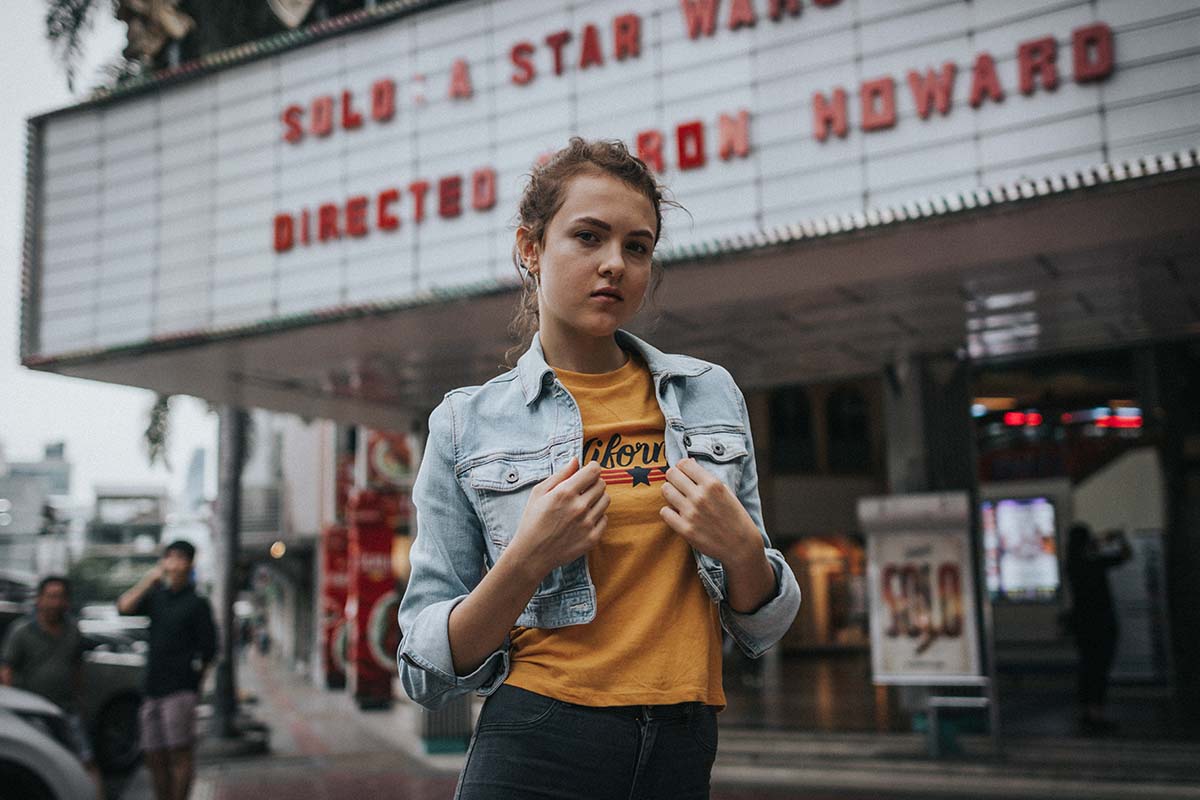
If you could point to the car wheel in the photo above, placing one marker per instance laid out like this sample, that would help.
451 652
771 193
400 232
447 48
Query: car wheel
22 783
118 744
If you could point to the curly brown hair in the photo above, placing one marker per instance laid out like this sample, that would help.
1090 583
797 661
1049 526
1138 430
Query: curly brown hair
545 194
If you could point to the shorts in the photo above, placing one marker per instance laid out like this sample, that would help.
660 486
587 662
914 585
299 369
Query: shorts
168 722
77 735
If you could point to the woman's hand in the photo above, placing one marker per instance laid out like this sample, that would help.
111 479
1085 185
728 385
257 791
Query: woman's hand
702 510
564 518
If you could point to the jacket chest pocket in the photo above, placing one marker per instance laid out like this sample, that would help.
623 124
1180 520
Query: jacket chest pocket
503 487
720 451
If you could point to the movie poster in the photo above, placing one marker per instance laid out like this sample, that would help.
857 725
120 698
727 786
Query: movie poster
923 620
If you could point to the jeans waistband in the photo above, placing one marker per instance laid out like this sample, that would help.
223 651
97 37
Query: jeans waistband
671 711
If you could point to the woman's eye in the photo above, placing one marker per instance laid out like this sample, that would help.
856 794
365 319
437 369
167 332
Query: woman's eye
638 247
587 236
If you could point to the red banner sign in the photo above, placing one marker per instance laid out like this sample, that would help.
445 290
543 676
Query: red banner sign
372 586
335 569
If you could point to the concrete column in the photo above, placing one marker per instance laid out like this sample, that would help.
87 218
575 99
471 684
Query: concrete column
231 455
904 426
949 432
930 447
930 439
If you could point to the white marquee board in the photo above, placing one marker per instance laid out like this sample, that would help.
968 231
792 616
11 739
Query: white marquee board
154 212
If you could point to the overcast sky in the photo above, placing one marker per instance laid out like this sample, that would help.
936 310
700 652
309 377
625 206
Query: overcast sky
101 423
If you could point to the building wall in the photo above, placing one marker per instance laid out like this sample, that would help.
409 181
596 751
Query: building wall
308 463
819 501
1128 494
23 496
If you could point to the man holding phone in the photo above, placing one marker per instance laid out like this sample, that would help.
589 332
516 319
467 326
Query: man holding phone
183 642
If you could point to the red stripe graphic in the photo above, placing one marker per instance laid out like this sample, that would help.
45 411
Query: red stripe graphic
625 471
625 476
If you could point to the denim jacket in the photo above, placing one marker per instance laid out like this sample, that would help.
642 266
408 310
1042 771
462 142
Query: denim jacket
487 447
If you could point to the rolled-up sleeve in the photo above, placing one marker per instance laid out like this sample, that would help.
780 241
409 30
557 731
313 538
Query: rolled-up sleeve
447 560
755 632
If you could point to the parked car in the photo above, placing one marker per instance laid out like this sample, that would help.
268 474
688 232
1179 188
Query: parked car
36 762
112 685
9 612
112 693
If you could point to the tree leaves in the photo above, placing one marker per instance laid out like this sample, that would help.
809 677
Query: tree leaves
66 23
157 429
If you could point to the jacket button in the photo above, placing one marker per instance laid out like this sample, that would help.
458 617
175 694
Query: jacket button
687 441
718 449
511 477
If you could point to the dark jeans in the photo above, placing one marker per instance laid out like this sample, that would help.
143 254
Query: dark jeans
527 745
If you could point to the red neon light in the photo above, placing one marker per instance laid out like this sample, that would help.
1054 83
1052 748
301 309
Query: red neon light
1119 422
1014 419
1033 419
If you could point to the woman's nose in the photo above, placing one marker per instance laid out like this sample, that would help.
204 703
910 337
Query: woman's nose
613 263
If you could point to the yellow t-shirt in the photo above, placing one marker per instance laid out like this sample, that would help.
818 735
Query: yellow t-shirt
656 637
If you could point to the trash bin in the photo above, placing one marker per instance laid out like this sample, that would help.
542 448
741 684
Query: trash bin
447 730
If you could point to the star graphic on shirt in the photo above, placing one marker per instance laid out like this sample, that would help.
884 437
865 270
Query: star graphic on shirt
640 475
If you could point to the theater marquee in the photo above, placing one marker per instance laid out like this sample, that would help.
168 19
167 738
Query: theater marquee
384 163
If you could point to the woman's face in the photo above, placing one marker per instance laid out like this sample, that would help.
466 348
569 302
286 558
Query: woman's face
594 262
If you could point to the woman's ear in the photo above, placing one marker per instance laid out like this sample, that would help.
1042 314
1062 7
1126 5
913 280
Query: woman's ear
527 247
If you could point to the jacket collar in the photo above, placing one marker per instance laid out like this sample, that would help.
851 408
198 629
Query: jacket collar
533 369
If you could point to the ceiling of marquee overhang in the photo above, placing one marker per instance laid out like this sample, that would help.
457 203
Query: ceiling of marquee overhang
1110 266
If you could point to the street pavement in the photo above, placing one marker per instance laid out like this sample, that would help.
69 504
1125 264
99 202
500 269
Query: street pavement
323 746
378 776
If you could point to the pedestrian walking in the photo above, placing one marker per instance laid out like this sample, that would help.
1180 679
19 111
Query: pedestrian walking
182 645
589 521
43 654
1094 617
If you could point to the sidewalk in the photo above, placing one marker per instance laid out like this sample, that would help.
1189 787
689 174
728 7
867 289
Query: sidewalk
307 721
1058 768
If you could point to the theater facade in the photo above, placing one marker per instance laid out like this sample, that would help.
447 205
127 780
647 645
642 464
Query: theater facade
940 245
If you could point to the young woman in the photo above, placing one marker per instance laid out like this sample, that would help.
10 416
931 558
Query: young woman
589 521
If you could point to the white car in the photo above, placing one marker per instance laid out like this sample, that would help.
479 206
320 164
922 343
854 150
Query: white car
36 762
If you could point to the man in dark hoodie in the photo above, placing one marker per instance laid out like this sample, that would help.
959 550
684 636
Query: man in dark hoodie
183 642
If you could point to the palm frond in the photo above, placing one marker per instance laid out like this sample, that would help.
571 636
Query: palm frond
66 23
157 428
116 71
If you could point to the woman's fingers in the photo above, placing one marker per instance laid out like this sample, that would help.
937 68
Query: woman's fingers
582 478
673 496
567 472
597 511
673 519
680 478
594 492
689 467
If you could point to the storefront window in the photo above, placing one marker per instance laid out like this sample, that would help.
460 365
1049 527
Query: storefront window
849 427
792 445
